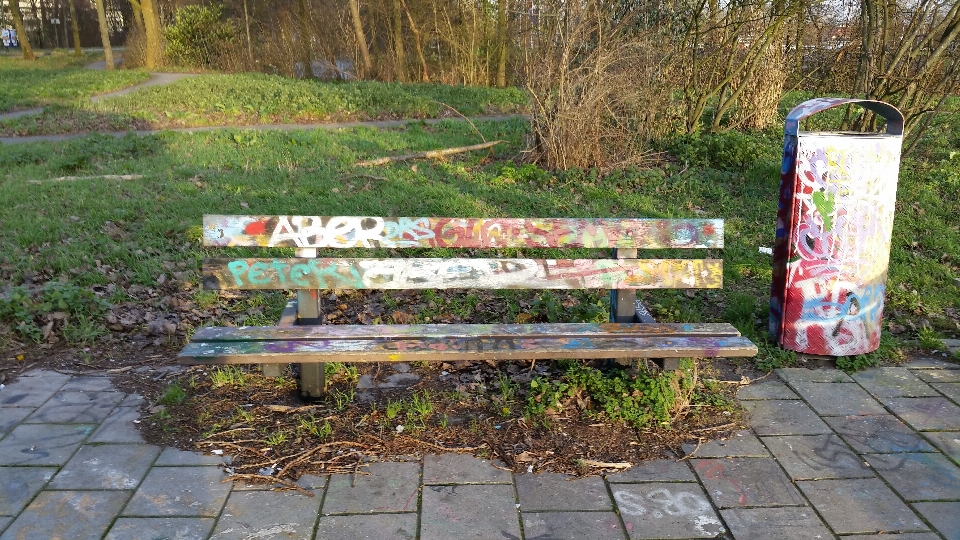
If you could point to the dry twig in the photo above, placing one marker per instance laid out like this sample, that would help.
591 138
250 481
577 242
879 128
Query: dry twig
428 154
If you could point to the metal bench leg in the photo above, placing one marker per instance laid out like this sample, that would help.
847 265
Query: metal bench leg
626 308
312 383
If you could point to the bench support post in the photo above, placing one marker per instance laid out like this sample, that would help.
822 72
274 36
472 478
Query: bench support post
312 383
626 308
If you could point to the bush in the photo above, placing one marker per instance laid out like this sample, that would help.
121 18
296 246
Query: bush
198 36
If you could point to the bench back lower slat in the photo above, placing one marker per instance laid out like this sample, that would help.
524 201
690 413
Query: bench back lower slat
349 273
432 232
399 350
386 331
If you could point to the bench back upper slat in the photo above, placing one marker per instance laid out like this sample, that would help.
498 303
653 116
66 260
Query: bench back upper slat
432 232
347 273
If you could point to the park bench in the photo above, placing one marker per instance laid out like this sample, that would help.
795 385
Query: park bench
299 338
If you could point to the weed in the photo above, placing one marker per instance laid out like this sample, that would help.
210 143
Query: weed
309 425
393 408
30 311
228 376
420 406
244 415
174 394
342 399
277 438
928 338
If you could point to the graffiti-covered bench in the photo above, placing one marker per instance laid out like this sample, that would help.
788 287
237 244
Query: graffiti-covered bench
300 338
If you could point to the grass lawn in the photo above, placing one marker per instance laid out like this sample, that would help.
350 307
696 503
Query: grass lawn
68 214
57 78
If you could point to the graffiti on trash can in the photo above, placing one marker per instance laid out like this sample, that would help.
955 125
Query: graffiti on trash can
834 227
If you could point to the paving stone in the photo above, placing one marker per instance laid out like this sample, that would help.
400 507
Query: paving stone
929 413
894 536
368 527
947 441
108 466
67 514
939 375
810 457
893 382
19 484
660 470
4 521
84 383
179 491
76 407
265 514
742 444
918 477
133 400
307 481
166 528
831 399
951 390
784 417
461 469
559 492
42 444
666 511
118 427
944 516
880 434
769 389
931 363
573 525
793 375
736 482
468 511
779 523
862 505
172 457
11 416
32 391
390 487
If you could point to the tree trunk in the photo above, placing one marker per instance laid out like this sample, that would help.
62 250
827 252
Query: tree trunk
306 58
396 24
76 28
361 40
21 33
246 22
425 74
502 42
105 35
137 16
151 27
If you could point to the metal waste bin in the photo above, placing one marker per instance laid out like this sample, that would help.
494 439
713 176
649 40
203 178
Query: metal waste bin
834 224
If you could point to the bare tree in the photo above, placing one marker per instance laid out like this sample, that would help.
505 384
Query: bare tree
104 35
17 17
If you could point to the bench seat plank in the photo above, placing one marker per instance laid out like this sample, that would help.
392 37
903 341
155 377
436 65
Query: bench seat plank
384 331
450 349
405 232
435 273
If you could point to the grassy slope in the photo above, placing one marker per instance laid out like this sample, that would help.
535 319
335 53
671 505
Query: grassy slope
57 79
256 98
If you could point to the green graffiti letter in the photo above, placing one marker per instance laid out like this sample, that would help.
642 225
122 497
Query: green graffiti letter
238 268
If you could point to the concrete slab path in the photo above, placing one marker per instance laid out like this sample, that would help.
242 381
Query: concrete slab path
875 456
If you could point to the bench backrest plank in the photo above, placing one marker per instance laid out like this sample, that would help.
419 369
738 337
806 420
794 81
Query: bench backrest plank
426 273
432 232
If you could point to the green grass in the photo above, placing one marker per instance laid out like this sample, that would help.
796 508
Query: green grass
58 78
256 98
71 228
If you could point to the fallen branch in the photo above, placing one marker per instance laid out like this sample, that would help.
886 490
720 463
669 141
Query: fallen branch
605 465
266 480
428 154
102 176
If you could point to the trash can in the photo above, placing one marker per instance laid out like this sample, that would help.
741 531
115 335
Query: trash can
834 224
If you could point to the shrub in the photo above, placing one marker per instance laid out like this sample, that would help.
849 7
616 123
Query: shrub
198 35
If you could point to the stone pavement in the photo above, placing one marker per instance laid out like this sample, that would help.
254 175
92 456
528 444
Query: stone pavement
873 455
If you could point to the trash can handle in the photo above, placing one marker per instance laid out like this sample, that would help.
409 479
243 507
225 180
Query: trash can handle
812 106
